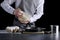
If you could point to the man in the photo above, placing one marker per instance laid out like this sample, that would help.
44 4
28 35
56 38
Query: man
33 7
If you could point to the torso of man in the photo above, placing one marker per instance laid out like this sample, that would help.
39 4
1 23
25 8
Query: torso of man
32 7
28 6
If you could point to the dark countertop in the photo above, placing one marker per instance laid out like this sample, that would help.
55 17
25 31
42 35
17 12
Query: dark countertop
18 36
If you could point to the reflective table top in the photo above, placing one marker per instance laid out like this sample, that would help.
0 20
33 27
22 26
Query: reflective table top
35 36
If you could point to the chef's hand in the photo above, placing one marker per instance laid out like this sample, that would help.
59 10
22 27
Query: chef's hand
19 14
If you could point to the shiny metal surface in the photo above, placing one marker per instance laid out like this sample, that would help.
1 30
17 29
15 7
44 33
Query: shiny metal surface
18 36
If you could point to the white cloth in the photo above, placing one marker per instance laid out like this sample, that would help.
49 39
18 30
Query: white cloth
6 5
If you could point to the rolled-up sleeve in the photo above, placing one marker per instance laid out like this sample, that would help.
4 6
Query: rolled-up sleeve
39 12
6 5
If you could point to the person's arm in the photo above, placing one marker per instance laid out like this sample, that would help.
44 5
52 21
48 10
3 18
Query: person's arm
39 12
6 5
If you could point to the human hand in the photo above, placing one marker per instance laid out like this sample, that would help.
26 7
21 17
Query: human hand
18 13
25 18
22 17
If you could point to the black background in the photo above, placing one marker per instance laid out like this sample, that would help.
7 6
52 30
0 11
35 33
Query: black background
50 17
